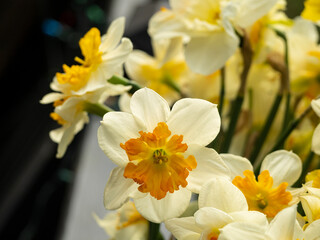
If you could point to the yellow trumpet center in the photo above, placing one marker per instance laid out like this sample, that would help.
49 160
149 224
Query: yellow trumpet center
77 75
261 195
156 161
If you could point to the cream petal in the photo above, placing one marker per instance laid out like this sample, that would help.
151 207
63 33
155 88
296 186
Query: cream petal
118 189
51 97
137 231
149 108
116 128
315 104
250 217
312 232
314 191
113 36
209 166
108 223
283 224
209 217
183 228
207 54
160 210
196 119
311 206
236 164
305 28
242 231
316 140
283 166
220 193
250 11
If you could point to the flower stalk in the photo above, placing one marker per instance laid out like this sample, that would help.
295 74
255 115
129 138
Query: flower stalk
124 81
96 108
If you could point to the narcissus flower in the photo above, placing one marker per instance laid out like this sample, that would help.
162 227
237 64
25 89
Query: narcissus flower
125 223
270 193
223 213
208 27
160 153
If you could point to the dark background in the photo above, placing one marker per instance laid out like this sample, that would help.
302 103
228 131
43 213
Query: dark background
36 38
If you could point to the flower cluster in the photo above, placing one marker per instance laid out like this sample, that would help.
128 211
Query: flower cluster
218 134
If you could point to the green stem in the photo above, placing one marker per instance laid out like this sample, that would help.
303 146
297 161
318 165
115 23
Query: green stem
305 168
266 128
222 91
154 233
96 108
167 80
124 81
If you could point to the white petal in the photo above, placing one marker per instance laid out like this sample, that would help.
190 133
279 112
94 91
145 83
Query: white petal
149 108
207 54
315 104
250 217
251 10
222 194
242 231
172 205
305 28
314 191
108 223
311 206
111 39
116 128
313 231
236 164
283 224
209 166
51 97
209 217
118 189
183 228
137 231
196 119
316 140
283 166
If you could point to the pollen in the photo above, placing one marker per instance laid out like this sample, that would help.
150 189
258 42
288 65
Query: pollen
157 162
261 195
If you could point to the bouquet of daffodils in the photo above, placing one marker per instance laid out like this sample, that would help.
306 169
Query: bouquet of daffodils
217 135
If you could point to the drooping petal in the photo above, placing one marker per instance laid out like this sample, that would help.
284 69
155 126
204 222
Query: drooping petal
160 210
236 164
207 54
196 119
209 166
118 189
184 228
283 166
209 217
222 194
149 108
116 128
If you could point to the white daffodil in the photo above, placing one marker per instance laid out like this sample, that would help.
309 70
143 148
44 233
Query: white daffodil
162 72
271 193
223 214
315 145
103 57
208 27
125 223
160 153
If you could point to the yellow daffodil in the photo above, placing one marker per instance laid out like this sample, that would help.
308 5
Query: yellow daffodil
270 193
125 223
160 153
223 213
208 28
311 11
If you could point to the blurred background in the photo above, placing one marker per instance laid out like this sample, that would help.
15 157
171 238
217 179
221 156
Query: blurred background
42 197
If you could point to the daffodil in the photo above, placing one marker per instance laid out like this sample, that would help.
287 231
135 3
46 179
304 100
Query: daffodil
223 214
270 192
103 57
125 223
208 28
311 11
160 153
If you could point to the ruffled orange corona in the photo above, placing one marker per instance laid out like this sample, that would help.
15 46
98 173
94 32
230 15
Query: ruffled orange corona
261 195
156 161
